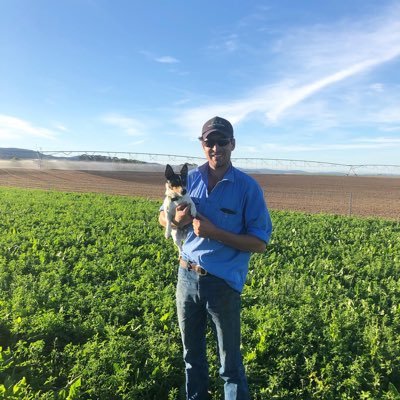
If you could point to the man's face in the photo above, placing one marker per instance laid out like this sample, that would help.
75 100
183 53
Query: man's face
218 149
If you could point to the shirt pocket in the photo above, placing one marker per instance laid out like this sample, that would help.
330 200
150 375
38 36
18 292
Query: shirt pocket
229 219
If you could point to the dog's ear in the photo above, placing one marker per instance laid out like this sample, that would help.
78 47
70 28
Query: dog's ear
184 170
169 172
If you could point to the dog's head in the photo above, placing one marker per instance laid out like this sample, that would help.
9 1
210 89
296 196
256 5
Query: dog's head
176 183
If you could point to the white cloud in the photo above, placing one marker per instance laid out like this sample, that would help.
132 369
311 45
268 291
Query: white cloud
229 43
359 144
16 128
381 141
335 53
160 59
377 87
296 95
167 60
61 127
130 126
248 149
137 143
389 115
391 129
182 102
317 58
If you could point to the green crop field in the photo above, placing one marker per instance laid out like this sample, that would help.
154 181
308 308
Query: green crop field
87 288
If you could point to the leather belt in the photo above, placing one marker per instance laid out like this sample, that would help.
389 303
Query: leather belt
192 267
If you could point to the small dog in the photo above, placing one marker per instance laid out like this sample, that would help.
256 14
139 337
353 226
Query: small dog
175 194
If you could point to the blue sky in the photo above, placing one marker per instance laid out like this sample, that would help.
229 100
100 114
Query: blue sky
310 80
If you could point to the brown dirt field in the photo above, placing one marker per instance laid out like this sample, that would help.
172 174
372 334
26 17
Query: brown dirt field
345 195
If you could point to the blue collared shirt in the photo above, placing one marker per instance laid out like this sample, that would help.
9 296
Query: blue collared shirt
236 204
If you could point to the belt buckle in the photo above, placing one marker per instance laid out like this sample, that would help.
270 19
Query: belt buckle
202 272
199 270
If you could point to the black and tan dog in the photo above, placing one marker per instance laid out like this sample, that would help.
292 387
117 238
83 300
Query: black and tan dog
176 194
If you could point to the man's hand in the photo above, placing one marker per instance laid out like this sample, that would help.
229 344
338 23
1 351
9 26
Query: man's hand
203 227
182 215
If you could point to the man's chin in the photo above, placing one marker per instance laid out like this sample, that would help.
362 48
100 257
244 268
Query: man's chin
217 163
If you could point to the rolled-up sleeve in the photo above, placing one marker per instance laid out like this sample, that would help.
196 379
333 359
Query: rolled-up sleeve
256 215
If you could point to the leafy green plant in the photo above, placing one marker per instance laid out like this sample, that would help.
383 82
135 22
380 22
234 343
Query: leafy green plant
87 290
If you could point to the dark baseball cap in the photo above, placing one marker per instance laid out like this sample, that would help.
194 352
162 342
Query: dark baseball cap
217 124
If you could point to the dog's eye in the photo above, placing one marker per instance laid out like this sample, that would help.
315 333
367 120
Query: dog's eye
175 183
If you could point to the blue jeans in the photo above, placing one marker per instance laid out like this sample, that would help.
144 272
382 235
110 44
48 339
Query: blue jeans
197 298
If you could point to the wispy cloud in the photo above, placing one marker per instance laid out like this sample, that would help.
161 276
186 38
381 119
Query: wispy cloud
296 95
391 128
358 144
388 115
167 60
381 141
61 127
16 128
137 143
128 125
227 43
315 59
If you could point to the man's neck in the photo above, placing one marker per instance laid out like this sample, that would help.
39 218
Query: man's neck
215 175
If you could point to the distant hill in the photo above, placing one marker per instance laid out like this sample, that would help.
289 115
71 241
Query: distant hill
25 154
21 154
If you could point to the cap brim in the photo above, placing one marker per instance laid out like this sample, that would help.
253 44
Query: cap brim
208 133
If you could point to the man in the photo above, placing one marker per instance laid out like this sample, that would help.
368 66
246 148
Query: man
232 222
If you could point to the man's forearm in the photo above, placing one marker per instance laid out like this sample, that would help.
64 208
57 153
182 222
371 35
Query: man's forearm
175 224
241 242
